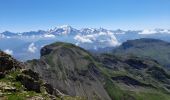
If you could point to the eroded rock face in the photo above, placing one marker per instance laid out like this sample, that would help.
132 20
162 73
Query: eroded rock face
49 88
137 64
130 81
159 74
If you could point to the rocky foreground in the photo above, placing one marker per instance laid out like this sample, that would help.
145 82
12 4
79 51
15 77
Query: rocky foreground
17 83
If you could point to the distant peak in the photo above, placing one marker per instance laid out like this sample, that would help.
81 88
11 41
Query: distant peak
62 30
65 26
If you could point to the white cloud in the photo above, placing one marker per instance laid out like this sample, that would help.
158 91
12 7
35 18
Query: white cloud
49 36
2 35
77 44
8 51
165 31
146 31
32 48
89 38
83 39
162 31
104 38
113 41
95 48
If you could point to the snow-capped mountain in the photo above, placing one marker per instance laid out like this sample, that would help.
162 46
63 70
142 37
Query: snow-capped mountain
27 45
92 30
63 30
68 30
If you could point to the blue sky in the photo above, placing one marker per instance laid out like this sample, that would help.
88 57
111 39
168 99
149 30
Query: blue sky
26 15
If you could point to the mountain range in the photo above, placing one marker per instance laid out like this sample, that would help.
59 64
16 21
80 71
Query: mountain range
28 44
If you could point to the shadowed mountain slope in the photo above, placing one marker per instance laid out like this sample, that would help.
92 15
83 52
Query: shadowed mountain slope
149 48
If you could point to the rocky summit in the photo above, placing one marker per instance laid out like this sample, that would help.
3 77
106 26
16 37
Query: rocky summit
70 69
75 72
